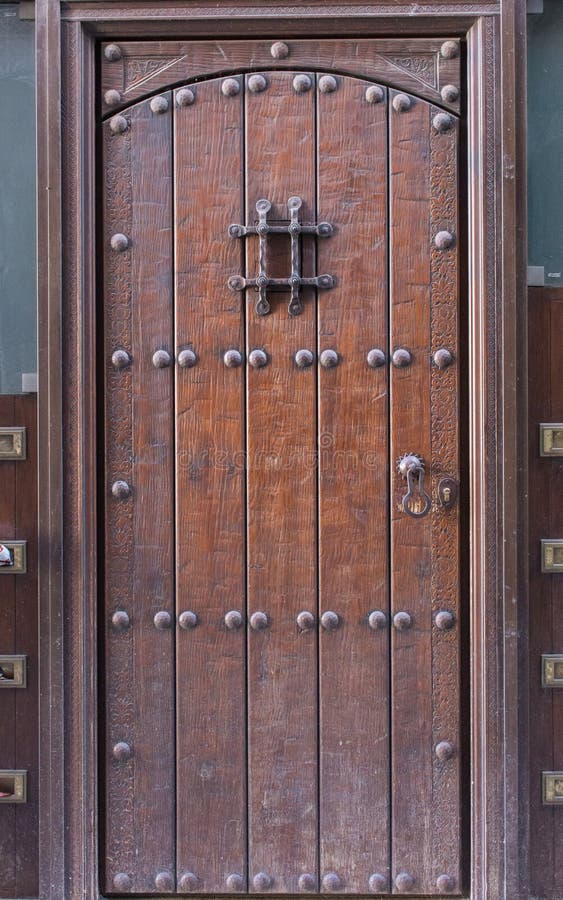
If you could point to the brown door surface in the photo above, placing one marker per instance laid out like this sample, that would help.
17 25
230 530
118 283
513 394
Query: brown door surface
281 653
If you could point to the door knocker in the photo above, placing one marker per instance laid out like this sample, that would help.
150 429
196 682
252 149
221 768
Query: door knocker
416 502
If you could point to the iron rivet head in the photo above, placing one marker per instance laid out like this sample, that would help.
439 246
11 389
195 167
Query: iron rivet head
375 94
444 751
330 622
404 882
121 751
258 622
279 50
233 620
119 242
328 84
305 620
232 359
159 105
401 102
377 883
442 122
118 124
230 87
234 882
402 621
257 84
443 358
112 98
377 620
449 93
307 883
375 358
449 49
236 282
329 359
184 97
120 359
401 357
445 884
164 882
187 620
302 83
258 359
112 52
444 620
162 620
262 881
122 882
120 489
304 359
186 359
120 620
188 882
444 240
161 359
332 881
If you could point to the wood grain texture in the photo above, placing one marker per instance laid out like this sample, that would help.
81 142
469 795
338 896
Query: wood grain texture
139 534
353 489
210 491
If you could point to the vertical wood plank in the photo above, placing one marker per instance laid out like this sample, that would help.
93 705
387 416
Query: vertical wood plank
139 802
281 411
353 489
211 731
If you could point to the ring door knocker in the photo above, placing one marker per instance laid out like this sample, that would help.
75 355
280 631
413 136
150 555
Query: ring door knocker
416 502
262 283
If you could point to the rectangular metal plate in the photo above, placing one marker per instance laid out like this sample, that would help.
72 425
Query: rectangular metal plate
13 786
12 443
551 439
13 671
552 670
552 788
18 557
552 556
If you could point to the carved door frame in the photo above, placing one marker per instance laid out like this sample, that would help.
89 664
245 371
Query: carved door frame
494 37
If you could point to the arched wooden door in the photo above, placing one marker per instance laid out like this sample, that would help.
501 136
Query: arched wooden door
282 632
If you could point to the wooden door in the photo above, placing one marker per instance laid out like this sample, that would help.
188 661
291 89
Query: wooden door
282 631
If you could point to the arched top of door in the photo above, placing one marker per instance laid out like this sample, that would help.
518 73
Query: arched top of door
428 68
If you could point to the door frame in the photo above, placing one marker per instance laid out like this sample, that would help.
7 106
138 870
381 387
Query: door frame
67 34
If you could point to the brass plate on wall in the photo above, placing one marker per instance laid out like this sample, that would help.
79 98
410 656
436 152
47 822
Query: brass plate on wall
552 670
12 443
13 786
551 439
552 788
13 671
17 553
552 556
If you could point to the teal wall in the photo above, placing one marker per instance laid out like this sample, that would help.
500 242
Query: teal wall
18 314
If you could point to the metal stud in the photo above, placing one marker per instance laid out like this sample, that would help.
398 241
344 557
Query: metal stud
262 881
377 620
404 882
449 49
444 751
120 489
112 52
442 358
307 883
375 358
164 882
233 620
119 242
184 97
442 122
259 621
232 359
162 620
304 359
305 620
188 882
257 84
302 83
330 620
401 102
122 882
121 751
161 359
377 883
449 93
402 621
120 359
279 50
258 359
120 620
186 358
112 98
187 620
159 105
401 357
234 882
445 884
444 620
444 240
118 124
230 87
329 359
332 881
328 84
374 94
